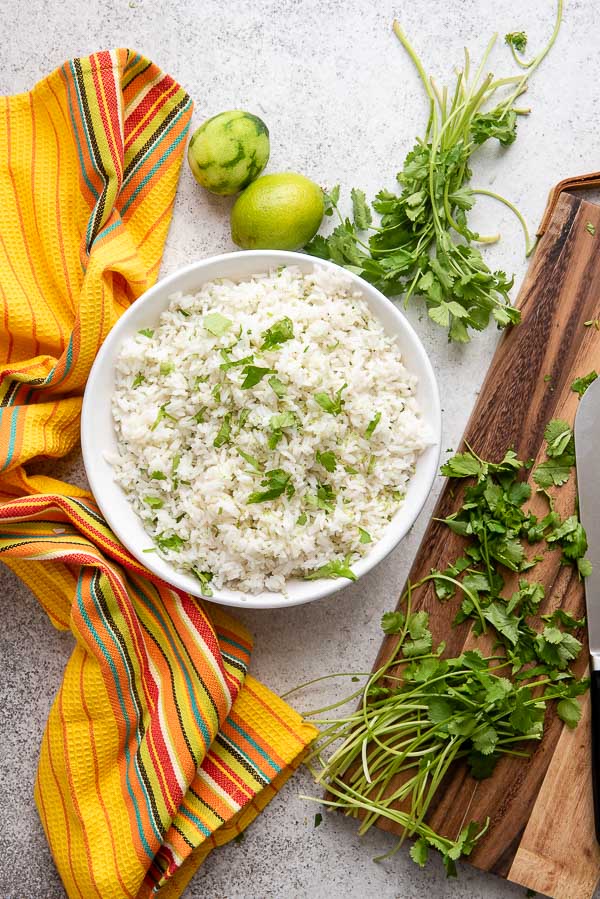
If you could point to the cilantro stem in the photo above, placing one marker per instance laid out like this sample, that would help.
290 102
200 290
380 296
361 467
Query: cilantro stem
529 245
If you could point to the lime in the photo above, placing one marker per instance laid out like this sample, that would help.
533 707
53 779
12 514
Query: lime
277 212
229 151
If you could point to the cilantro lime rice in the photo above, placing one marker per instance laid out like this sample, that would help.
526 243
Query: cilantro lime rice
267 429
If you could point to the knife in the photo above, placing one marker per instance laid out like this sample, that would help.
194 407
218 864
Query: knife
587 456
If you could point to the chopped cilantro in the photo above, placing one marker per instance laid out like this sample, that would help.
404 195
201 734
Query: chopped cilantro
243 418
277 423
250 459
323 499
162 413
327 460
590 229
580 385
205 577
318 819
365 537
277 334
158 476
174 542
372 425
302 518
139 379
147 332
154 502
224 432
332 405
277 482
199 416
216 324
247 360
253 374
333 569
167 367
277 386
175 462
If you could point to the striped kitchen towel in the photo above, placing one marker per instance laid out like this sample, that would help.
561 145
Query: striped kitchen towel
158 747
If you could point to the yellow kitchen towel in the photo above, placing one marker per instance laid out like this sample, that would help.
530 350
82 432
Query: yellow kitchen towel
158 746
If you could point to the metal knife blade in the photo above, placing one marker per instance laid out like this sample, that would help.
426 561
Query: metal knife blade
587 454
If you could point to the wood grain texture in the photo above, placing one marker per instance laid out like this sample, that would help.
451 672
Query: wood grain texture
541 833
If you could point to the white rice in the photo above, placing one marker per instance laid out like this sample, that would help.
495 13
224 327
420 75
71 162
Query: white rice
203 490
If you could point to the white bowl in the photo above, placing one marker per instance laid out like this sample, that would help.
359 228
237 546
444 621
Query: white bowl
98 437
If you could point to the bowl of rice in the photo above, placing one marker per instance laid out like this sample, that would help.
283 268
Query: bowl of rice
261 428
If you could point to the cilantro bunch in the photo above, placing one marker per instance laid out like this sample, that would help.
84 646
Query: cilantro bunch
423 245
421 713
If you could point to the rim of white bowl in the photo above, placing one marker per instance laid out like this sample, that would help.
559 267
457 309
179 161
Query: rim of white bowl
93 452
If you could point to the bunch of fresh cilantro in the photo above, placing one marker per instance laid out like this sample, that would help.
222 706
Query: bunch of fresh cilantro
420 713
423 245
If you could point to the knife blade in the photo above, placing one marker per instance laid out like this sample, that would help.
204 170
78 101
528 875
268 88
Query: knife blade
587 457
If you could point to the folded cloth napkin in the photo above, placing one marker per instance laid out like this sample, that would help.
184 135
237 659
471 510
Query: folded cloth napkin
158 746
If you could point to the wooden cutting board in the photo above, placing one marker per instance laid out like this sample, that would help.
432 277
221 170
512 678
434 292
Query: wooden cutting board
542 830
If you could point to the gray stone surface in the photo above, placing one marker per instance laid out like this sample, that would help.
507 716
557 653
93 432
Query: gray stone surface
343 104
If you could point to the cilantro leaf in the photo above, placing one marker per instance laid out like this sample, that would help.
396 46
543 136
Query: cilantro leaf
174 542
332 405
235 363
253 375
555 472
569 711
462 465
251 460
154 502
139 379
365 537
216 324
580 385
277 386
224 432
147 332
559 436
324 498
277 334
516 39
361 212
327 460
419 852
205 577
162 414
392 622
333 569
372 425
277 423
277 482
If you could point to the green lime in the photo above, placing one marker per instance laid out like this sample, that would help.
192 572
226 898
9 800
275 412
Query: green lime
229 151
277 212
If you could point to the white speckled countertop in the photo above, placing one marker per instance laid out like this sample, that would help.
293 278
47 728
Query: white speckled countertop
342 103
